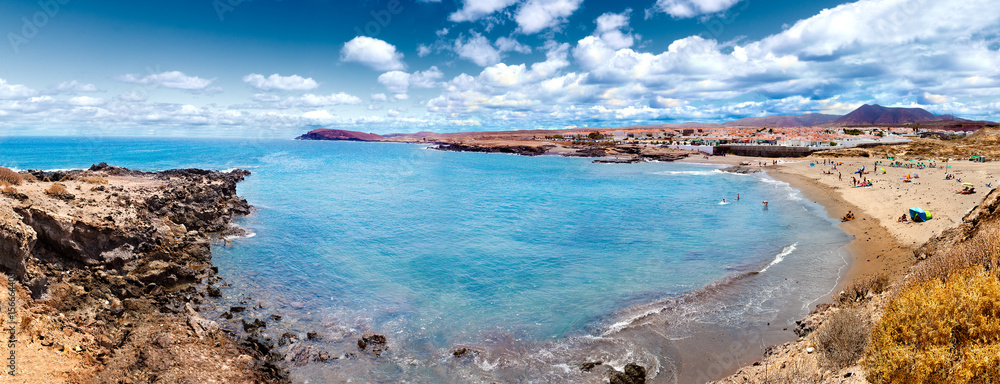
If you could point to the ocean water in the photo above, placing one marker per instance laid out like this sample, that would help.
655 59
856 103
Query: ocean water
538 264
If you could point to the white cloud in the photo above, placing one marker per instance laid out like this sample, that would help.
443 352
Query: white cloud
477 49
14 91
170 79
374 53
510 44
322 115
609 29
86 101
277 82
423 50
75 86
682 9
473 10
311 100
134 96
399 82
930 98
538 15
379 97
395 81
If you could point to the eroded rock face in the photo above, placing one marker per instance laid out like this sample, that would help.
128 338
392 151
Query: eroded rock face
77 240
16 241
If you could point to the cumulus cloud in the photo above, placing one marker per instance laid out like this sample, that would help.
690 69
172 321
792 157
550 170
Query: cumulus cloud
930 98
14 91
613 30
86 101
133 96
170 79
682 9
311 100
477 49
538 15
277 82
399 82
473 10
75 86
510 44
395 81
423 50
373 53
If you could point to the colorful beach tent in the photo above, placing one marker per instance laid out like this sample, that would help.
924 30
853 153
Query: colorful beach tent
919 215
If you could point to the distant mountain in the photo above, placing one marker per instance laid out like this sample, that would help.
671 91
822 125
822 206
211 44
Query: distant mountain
339 134
878 115
806 120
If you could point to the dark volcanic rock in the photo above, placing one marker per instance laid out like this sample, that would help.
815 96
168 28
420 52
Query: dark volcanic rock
302 354
373 343
463 352
634 374
586 367
524 150
740 169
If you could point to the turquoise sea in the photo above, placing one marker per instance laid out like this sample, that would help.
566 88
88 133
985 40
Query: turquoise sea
536 263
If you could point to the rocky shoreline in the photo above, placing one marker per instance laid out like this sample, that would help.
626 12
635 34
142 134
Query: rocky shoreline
622 154
108 268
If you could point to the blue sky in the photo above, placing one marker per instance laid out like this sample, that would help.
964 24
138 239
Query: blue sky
278 68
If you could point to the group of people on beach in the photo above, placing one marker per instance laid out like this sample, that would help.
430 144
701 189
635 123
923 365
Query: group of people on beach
900 164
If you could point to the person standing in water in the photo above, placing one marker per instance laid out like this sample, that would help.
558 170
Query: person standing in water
765 204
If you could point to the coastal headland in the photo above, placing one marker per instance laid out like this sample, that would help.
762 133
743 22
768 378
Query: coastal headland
106 270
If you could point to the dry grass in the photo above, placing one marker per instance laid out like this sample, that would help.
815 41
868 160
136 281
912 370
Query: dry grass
860 289
9 190
93 180
10 177
843 337
940 332
57 189
982 249
29 178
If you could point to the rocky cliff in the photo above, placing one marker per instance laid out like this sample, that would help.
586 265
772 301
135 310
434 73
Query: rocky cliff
111 265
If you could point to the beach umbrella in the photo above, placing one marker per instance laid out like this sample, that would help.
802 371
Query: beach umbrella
919 215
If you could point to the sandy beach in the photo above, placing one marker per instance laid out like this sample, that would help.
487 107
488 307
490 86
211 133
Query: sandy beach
881 245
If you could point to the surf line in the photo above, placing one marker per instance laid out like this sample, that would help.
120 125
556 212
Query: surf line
780 256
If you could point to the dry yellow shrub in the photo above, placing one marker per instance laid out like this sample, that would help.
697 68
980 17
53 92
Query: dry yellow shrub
57 189
940 332
29 178
93 180
10 177
843 337
982 249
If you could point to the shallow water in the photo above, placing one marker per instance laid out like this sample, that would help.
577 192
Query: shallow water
537 263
